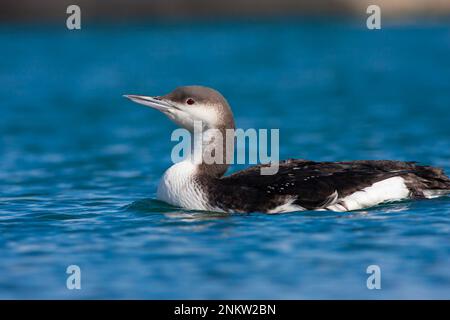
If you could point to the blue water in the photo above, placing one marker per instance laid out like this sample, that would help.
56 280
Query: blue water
80 164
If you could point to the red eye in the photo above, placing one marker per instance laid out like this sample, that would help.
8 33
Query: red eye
190 101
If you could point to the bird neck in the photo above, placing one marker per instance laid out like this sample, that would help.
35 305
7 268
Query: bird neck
212 151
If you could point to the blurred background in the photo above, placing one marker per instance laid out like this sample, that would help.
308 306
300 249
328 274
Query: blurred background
126 10
79 164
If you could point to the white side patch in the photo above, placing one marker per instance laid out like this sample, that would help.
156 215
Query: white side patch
392 189
287 207
430 194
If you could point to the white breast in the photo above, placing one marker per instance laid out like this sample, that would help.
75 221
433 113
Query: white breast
179 188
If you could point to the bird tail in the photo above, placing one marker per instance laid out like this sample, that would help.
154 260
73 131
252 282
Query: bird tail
428 182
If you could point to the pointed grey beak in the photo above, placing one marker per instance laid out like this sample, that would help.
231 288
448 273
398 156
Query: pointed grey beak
152 102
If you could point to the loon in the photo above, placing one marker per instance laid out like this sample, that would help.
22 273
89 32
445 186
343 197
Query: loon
298 185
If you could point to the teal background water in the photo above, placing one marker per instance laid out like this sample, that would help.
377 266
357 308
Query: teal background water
79 164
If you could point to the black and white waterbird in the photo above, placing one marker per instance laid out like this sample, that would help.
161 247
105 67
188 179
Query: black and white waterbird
298 185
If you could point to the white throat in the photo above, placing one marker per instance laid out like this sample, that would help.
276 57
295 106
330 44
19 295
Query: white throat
179 185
